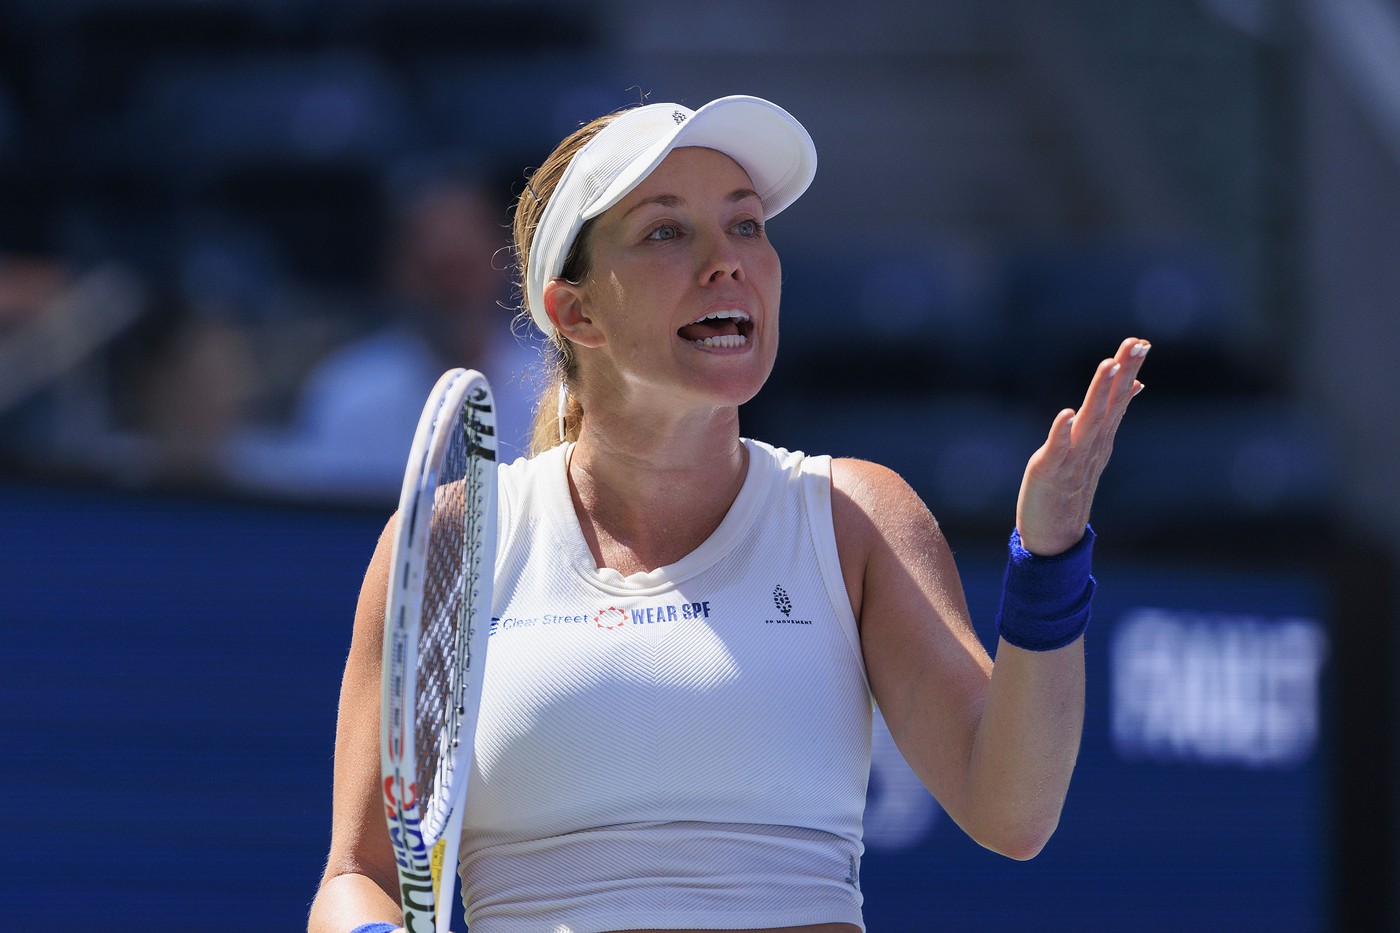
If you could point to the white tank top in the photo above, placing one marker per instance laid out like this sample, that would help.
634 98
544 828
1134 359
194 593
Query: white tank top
683 748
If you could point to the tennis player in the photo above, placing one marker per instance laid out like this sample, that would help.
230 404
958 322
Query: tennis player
691 626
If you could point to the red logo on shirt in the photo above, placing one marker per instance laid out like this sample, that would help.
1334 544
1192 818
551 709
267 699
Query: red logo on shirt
610 618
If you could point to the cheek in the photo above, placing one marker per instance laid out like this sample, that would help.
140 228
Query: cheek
614 292
771 286
610 301
634 296
623 309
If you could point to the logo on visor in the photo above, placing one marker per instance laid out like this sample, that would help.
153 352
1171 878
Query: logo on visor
677 116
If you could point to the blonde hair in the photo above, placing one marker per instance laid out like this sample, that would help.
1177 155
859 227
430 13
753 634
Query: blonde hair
562 364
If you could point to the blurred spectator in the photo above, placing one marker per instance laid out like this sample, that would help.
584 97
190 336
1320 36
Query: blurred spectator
188 386
57 324
28 284
444 302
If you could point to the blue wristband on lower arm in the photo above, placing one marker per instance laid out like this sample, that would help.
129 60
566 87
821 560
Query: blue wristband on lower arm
377 927
1045 601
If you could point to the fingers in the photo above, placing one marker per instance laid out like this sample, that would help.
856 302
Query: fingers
1115 383
1132 353
1126 385
1100 396
1061 431
1061 477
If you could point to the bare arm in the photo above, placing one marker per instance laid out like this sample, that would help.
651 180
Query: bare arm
996 744
360 883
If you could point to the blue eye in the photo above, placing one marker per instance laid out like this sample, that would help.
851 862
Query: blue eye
749 228
664 232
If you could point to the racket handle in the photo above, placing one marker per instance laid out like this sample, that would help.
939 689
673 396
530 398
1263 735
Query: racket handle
447 880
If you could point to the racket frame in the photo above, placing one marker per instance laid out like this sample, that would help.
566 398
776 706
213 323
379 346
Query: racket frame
425 833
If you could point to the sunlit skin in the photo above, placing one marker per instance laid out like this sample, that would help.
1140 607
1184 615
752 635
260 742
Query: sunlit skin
662 410
688 241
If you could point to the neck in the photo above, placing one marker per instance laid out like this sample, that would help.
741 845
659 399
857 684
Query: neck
648 493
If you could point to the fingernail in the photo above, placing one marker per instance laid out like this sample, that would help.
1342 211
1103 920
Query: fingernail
1114 370
1138 388
1140 350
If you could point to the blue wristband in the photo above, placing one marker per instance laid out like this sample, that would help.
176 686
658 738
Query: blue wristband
379 926
1045 601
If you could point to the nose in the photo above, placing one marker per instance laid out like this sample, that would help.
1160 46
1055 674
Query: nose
721 262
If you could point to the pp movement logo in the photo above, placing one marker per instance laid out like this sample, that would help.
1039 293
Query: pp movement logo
784 604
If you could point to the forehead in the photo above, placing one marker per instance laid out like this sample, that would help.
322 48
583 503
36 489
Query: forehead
690 172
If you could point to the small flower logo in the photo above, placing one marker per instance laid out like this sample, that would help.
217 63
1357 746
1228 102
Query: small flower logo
610 618
780 599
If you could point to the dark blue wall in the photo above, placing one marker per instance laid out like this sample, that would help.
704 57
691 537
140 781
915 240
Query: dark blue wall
170 673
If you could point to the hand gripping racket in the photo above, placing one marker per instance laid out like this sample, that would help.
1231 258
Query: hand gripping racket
435 629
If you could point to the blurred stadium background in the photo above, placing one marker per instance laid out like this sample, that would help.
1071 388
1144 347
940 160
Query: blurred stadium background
196 199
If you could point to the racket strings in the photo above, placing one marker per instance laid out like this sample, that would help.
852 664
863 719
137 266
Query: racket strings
437 645
450 586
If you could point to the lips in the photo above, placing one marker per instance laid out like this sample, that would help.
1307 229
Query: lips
719 329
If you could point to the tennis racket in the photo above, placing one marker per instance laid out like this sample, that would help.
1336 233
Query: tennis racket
436 624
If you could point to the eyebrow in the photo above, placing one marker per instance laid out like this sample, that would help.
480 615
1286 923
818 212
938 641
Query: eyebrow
671 200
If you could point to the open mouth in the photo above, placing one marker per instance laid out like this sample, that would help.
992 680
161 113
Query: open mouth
719 329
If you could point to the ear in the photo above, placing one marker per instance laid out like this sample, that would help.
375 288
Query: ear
565 305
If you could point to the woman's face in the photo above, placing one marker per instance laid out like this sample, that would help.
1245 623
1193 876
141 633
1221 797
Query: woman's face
683 286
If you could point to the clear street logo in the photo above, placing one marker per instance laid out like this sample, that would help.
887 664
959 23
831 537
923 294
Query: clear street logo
608 618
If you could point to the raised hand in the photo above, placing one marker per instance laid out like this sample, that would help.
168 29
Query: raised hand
1057 490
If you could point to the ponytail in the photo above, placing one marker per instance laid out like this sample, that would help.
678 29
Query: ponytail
547 432
562 368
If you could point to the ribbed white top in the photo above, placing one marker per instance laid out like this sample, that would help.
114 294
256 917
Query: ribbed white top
682 748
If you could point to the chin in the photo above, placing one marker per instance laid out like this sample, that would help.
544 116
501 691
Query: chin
736 391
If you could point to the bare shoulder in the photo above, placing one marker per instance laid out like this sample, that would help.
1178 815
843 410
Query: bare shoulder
880 523
859 478
874 502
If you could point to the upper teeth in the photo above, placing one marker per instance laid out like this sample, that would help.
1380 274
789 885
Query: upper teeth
723 315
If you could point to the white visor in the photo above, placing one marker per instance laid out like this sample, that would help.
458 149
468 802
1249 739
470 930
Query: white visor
762 137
